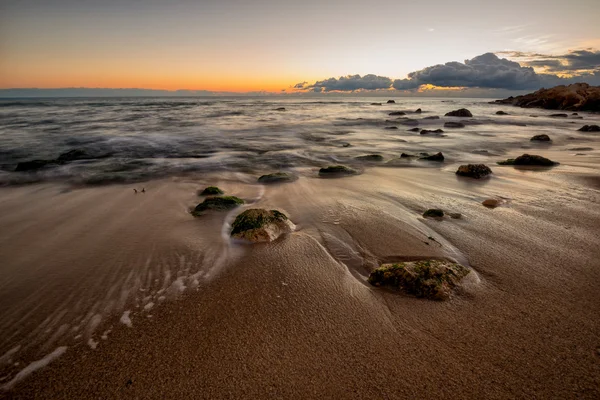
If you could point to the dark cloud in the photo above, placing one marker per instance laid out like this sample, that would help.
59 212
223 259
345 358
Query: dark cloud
571 62
300 85
352 83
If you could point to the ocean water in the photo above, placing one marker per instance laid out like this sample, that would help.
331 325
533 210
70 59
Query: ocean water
133 139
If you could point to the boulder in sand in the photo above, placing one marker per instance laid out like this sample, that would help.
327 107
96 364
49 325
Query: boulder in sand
334 171
541 138
221 203
258 225
529 159
431 279
476 171
589 128
463 112
211 191
277 177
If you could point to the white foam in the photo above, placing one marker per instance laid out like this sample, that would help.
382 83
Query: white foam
34 366
125 319
7 357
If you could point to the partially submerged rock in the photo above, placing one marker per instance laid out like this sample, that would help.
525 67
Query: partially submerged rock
277 177
463 112
397 113
575 97
414 130
501 113
280 109
391 101
258 225
73 155
431 279
435 157
406 155
432 117
529 159
33 165
391 127
451 124
476 171
375 104
541 138
491 203
433 213
370 157
589 128
559 115
409 121
427 131
418 111
221 203
211 191
336 171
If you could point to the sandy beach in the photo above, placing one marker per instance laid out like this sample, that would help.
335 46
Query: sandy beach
296 318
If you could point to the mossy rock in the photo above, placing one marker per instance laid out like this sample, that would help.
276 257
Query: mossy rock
476 171
211 191
431 279
439 157
434 213
336 170
277 177
529 159
370 157
220 203
258 225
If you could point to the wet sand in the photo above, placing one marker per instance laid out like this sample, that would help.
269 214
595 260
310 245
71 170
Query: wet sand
296 318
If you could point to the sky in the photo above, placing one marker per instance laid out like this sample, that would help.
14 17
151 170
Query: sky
296 46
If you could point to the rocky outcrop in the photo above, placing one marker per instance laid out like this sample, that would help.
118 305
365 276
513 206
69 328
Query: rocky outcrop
589 128
277 177
575 97
258 225
476 171
431 279
541 138
529 159
463 112
221 203
211 191
334 171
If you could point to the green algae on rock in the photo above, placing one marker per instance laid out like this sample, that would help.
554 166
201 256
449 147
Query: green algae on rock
529 159
433 213
336 170
258 225
277 177
431 279
476 171
220 203
211 191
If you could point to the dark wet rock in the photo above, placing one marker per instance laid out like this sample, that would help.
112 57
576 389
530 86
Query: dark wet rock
33 165
431 279
435 157
454 125
541 138
277 177
418 111
370 157
280 109
397 113
391 127
414 130
346 144
218 204
375 104
589 128
427 131
211 191
574 113
258 225
463 112
409 122
406 155
391 101
560 115
73 155
336 170
432 117
476 171
575 97
433 213
501 113
491 203
529 159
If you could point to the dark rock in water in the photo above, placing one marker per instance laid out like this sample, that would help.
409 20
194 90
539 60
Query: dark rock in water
277 177
432 117
433 213
589 128
418 111
501 113
391 101
431 279
73 155
258 225
491 203
391 127
427 131
406 155
336 170
527 159
454 125
476 171
217 203
414 130
211 191
280 109
375 104
575 97
436 157
560 115
409 122
370 157
33 165
541 138
397 113
575 114
346 145
463 112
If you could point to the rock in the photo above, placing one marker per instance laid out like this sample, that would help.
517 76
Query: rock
541 138
336 170
211 191
436 157
391 127
574 113
491 203
589 128
280 109
33 165
463 112
277 177
501 113
405 155
409 122
73 155
427 131
527 159
454 125
391 101
418 111
455 215
559 115
375 104
433 213
397 113
575 97
218 204
346 145
370 157
476 171
258 225
431 279
432 117
414 130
